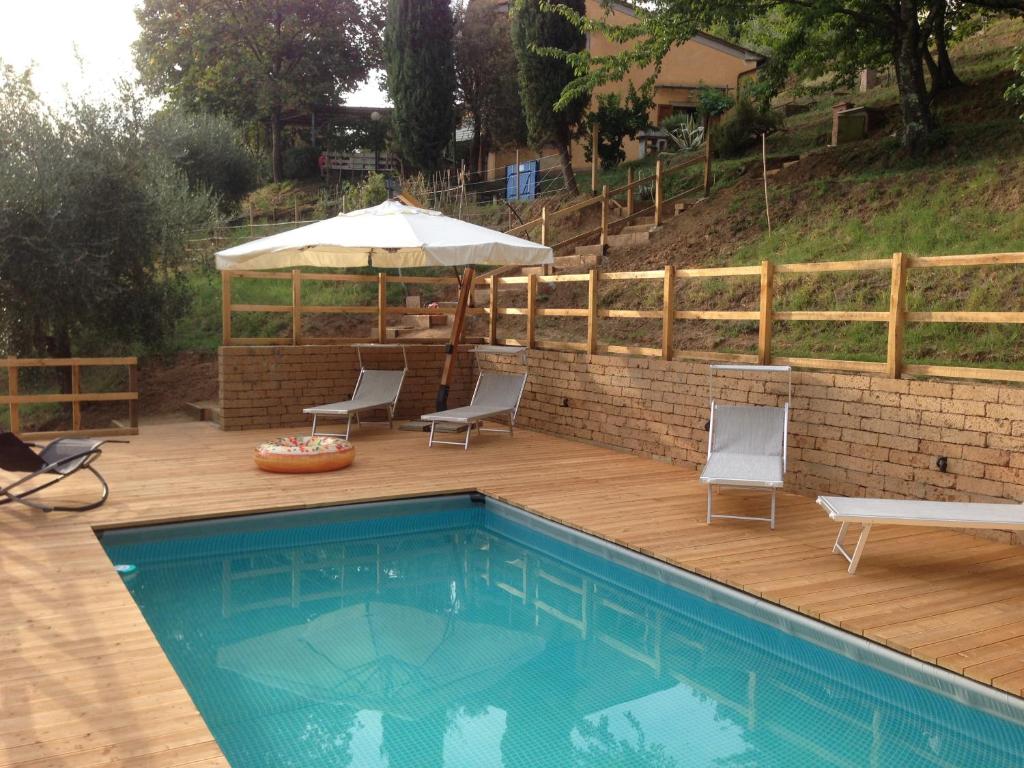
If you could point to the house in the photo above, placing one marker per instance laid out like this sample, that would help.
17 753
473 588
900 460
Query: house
703 60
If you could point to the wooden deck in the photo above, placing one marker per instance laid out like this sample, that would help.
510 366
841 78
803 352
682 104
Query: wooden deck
83 682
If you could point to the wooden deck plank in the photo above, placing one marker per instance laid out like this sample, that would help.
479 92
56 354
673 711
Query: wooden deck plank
83 682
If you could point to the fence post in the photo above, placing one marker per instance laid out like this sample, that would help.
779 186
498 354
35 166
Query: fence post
897 312
76 390
604 215
544 225
225 308
592 312
629 192
668 317
296 307
707 156
657 194
764 327
12 390
531 310
133 386
492 320
382 307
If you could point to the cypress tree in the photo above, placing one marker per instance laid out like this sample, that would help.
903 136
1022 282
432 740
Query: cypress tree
418 57
543 77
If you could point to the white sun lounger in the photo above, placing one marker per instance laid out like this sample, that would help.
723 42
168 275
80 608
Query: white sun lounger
375 389
947 514
746 444
496 395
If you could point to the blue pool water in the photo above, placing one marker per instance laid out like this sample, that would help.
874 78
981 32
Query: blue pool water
448 633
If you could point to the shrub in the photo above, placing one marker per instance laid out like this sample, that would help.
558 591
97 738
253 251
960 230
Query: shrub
742 128
301 162
372 191
208 149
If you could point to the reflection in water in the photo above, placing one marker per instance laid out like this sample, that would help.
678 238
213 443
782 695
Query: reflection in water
462 647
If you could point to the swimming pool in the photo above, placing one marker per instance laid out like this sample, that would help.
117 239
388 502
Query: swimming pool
459 632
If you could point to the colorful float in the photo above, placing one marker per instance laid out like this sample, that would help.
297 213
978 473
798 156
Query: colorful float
297 455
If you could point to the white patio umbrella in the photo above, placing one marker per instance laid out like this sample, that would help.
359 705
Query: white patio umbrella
392 235
387 235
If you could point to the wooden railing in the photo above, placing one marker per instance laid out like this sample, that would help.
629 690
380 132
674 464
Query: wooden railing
895 318
540 228
381 310
14 399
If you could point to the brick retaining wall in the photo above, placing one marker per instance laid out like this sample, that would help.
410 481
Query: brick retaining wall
269 386
849 434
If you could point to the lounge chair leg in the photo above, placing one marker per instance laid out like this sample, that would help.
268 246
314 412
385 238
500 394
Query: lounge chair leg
469 430
348 426
430 440
313 432
862 540
837 548
709 505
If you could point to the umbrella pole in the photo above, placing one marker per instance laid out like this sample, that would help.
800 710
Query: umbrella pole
465 291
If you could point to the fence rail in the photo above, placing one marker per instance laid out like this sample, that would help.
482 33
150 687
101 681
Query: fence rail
14 399
895 318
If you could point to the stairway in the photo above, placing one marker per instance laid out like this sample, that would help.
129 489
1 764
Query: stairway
420 326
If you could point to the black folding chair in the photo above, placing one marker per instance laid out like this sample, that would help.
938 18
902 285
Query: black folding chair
63 457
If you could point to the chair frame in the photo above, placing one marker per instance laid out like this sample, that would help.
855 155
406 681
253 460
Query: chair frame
389 408
770 519
89 455
477 423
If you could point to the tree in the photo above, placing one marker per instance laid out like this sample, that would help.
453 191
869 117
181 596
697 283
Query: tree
254 60
93 229
544 39
484 61
420 64
616 119
810 38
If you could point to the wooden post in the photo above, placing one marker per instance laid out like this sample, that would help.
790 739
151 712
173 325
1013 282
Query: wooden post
897 313
604 215
133 386
382 307
657 194
296 307
707 156
225 308
764 328
76 389
544 225
593 158
531 310
668 317
448 371
629 192
12 390
492 320
592 312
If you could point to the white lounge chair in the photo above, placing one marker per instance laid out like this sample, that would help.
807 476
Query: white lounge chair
947 514
496 395
746 444
375 389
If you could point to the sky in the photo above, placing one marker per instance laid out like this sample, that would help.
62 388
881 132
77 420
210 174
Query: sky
83 47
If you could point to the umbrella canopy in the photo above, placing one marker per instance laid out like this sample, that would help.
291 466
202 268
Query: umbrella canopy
396 659
387 235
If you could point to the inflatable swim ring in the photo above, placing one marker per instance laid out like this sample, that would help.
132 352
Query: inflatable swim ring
304 454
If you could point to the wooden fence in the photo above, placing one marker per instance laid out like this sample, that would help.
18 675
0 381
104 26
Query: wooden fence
625 197
896 317
14 400
296 309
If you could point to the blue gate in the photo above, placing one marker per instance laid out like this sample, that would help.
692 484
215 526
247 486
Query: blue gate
528 175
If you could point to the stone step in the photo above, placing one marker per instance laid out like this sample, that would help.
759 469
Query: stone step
642 221
204 410
680 207
629 238
577 261
591 250
532 271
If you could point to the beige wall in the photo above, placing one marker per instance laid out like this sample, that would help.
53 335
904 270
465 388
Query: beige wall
850 435
269 386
